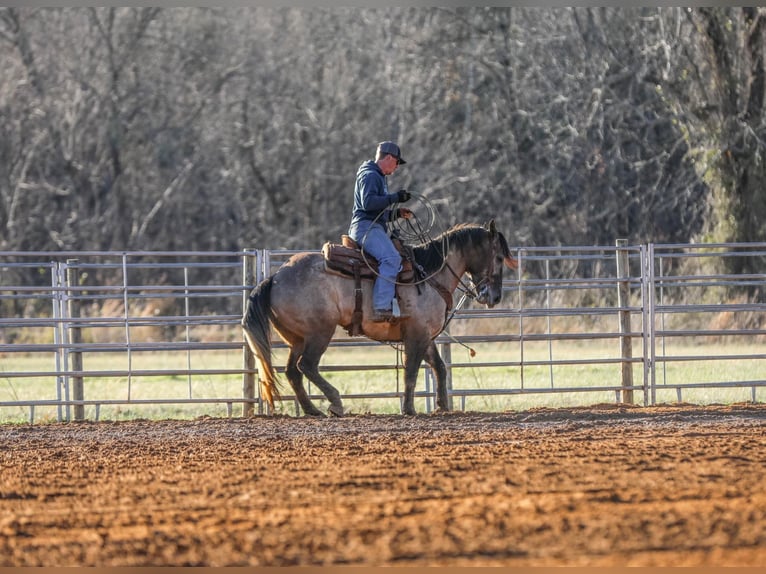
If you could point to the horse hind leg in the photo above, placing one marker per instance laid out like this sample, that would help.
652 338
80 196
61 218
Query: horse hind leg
294 375
309 366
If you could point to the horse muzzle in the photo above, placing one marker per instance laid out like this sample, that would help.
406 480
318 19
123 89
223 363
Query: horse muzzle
485 296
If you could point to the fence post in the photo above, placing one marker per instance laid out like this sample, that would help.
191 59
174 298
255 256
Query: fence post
75 335
59 336
623 301
446 354
248 359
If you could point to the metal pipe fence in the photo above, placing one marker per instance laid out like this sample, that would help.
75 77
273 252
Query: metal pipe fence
131 331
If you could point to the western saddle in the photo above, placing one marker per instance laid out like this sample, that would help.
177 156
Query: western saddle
346 259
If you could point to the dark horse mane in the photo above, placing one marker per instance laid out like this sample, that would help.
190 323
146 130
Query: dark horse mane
431 254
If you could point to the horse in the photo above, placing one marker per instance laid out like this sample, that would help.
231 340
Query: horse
305 303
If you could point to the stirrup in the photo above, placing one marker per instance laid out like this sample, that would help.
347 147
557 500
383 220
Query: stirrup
397 310
382 315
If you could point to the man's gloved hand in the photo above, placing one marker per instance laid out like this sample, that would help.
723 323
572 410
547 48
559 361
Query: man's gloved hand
404 195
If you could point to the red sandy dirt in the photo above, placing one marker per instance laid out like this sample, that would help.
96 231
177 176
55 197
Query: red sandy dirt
599 486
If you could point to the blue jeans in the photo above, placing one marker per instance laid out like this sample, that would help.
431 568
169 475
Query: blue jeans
376 243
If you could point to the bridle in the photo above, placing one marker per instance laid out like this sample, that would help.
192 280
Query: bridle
470 289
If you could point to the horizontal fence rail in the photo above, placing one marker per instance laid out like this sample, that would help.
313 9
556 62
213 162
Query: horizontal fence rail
89 334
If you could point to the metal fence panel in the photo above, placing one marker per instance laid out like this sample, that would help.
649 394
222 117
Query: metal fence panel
94 329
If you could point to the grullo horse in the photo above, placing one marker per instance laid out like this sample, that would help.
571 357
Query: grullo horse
304 303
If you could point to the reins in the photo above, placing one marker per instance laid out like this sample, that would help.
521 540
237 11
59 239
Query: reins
467 291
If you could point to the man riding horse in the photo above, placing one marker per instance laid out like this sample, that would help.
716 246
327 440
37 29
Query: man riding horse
304 302
372 210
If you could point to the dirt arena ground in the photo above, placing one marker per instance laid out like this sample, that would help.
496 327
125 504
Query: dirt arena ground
599 486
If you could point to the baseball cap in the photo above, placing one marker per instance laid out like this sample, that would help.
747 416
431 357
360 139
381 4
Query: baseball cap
391 148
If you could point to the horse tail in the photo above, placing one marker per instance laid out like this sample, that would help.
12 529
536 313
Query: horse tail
256 325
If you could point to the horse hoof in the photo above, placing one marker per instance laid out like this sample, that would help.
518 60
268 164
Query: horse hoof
336 411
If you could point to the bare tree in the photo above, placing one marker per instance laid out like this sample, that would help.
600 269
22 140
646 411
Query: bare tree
224 128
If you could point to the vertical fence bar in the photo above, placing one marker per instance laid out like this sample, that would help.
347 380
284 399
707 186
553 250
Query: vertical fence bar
188 334
645 318
521 318
57 336
548 322
651 328
430 386
75 335
64 338
127 320
264 256
623 302
248 359
660 293
446 354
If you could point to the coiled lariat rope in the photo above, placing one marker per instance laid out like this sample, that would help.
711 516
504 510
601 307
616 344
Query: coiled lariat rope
414 230
417 230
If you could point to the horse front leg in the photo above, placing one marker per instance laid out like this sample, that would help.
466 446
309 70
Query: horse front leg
413 357
434 360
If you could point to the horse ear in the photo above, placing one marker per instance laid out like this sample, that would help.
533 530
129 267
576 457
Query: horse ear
491 228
